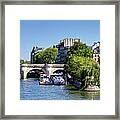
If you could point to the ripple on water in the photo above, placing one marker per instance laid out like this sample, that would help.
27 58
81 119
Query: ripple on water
31 90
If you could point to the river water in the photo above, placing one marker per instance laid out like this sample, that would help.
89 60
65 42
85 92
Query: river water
31 90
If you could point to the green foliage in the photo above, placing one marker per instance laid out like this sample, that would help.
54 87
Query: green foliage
83 69
24 62
46 56
81 66
38 57
21 61
80 49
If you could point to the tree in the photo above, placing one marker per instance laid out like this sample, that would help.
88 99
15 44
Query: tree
81 66
21 61
24 62
47 56
83 69
80 49
38 57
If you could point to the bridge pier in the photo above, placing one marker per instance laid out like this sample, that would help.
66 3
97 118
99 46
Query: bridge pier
66 82
25 75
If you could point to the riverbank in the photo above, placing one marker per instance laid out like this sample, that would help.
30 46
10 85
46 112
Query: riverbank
78 85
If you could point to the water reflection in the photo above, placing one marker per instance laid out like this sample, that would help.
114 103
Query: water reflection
31 90
83 94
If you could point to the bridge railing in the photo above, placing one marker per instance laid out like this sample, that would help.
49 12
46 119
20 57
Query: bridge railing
42 65
58 65
32 65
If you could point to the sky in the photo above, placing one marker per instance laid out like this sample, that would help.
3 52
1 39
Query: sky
46 33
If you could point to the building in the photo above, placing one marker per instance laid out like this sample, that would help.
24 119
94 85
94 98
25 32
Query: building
34 51
63 48
96 51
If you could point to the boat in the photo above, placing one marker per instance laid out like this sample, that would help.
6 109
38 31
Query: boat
44 81
56 80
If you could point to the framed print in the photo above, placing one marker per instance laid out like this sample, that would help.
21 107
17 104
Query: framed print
60 59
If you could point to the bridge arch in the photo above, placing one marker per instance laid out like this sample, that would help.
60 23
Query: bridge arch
35 73
62 71
26 71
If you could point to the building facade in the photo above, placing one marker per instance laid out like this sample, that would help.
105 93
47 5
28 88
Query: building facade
33 52
96 51
63 48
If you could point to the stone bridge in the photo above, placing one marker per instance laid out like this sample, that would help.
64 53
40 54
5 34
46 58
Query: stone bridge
48 69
